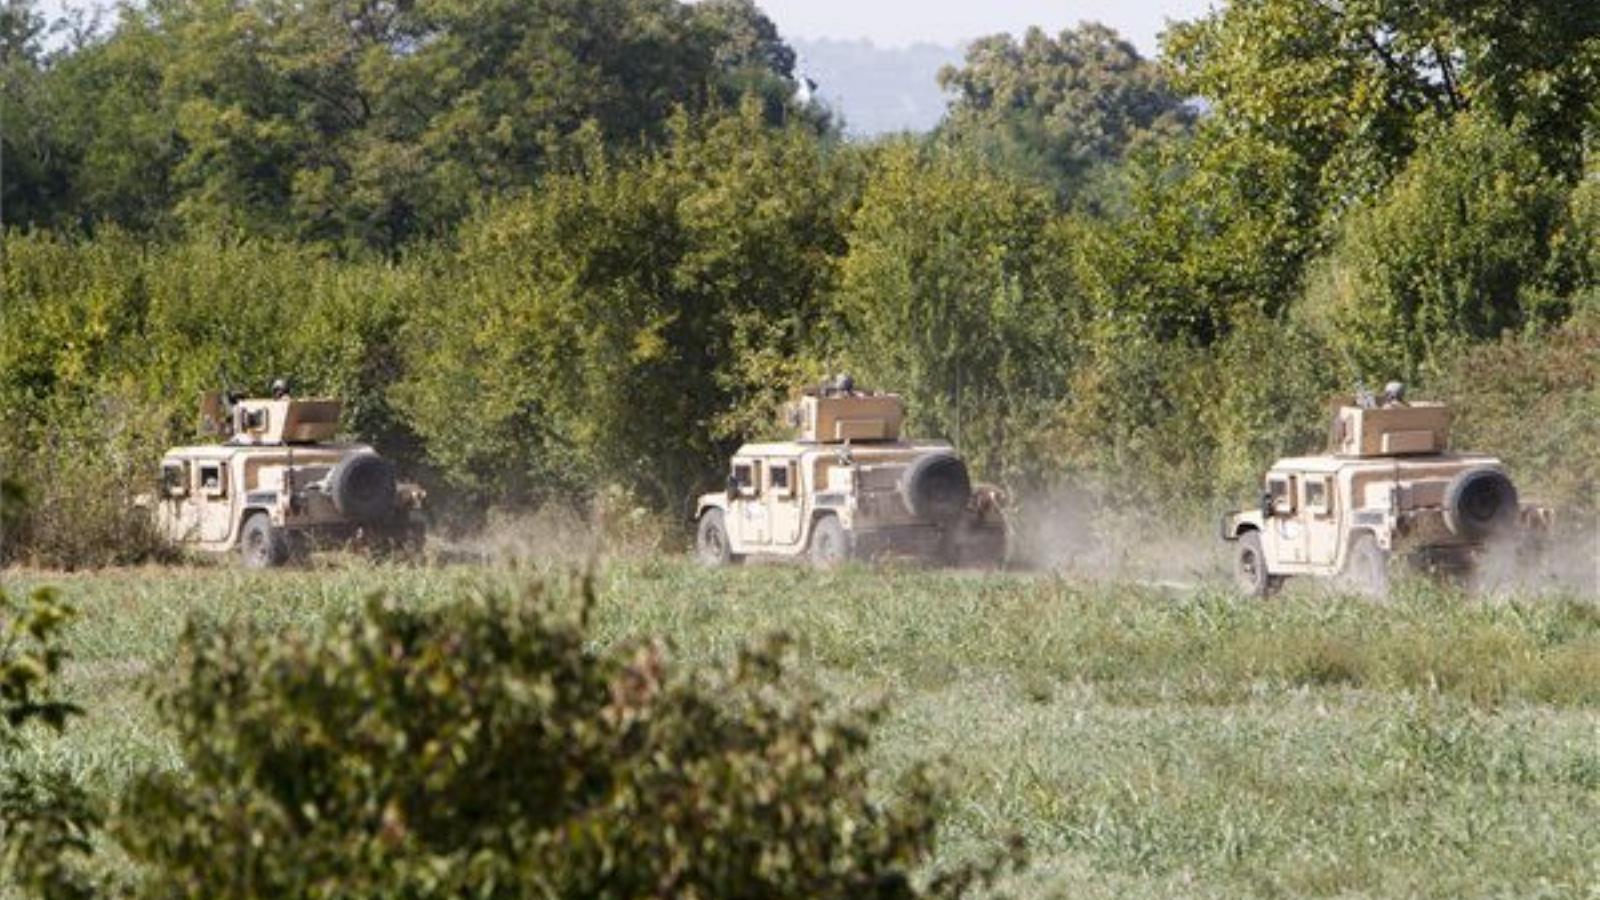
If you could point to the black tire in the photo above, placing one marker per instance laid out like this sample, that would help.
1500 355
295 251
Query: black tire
262 546
937 487
830 543
363 487
1250 566
1480 503
711 543
1366 568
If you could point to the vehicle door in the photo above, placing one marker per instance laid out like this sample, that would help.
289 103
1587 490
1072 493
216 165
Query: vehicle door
1284 539
179 517
212 499
1320 517
747 514
783 499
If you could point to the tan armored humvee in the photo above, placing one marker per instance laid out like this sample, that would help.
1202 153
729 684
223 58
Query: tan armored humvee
849 487
277 486
1390 487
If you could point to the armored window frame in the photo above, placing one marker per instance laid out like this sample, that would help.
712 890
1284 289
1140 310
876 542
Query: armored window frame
1318 495
747 475
1281 489
780 479
175 478
220 488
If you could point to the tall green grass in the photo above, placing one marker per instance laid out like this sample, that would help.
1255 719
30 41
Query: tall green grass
1145 741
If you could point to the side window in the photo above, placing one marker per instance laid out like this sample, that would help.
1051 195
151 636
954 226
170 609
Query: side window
1317 495
213 480
175 479
778 480
1281 489
747 476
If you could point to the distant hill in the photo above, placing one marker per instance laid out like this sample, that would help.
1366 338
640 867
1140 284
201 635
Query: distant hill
878 90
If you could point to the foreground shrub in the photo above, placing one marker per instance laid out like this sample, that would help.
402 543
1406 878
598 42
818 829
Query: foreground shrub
1534 399
482 749
45 820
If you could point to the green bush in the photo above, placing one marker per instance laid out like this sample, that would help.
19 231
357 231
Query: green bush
45 819
482 748
1534 400
626 325
1461 249
109 342
951 294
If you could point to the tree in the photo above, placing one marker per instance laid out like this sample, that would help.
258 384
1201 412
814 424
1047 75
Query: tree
1346 85
1458 251
629 323
352 124
950 294
1056 108
34 176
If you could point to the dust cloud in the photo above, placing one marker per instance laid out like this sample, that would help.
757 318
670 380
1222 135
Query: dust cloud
557 535
1567 560
1089 534
1084 533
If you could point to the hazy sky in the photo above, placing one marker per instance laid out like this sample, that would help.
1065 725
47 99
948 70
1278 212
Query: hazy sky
900 22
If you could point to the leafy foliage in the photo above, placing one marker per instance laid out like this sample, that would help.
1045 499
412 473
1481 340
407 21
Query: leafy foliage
625 325
1059 107
1346 86
563 251
45 821
482 748
359 125
108 343
1460 250
1535 396
950 291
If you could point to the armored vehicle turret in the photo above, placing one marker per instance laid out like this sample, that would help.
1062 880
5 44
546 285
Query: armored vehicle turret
1389 488
278 484
849 486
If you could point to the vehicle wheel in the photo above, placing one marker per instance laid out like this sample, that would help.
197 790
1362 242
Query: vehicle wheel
1366 570
262 546
830 545
1250 567
711 540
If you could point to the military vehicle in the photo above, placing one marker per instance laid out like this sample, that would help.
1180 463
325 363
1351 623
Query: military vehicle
1388 489
277 486
850 487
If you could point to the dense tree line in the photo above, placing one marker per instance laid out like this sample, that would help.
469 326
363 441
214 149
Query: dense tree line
557 249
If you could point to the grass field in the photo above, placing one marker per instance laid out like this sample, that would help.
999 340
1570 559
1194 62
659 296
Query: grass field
1145 741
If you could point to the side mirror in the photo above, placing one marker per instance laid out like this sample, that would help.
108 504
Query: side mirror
1266 505
733 488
